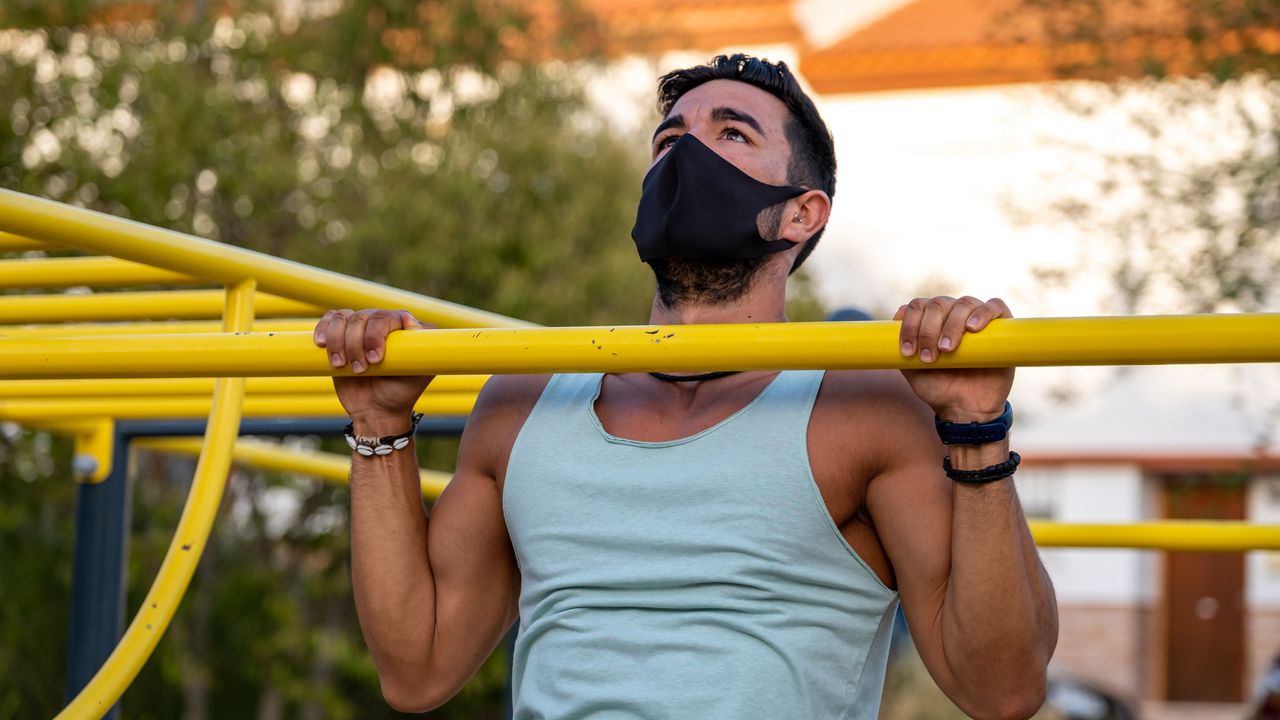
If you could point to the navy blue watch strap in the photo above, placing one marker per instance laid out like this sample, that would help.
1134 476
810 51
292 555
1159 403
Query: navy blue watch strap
975 433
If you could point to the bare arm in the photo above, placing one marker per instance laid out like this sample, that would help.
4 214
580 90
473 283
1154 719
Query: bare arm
978 600
434 595
979 603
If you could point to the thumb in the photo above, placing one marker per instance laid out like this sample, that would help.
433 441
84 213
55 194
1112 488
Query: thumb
409 322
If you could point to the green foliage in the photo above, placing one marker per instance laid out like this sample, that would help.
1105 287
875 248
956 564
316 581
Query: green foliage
37 511
485 182
412 143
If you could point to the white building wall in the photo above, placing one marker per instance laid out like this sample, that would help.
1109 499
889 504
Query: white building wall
1091 494
1262 569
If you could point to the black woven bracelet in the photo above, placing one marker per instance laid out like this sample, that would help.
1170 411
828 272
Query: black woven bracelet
370 446
986 474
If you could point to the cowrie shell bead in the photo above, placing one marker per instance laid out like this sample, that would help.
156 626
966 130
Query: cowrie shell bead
365 450
350 441
400 443
382 450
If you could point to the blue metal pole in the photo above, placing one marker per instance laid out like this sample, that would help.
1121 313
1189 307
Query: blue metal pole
99 575
434 425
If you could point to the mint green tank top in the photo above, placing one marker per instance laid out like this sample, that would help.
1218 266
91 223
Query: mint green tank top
701 578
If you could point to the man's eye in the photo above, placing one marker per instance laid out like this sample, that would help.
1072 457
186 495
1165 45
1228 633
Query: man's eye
734 135
665 142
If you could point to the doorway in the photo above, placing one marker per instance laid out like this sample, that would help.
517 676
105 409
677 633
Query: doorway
1204 596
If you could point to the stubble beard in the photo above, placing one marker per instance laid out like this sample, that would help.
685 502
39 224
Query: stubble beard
713 281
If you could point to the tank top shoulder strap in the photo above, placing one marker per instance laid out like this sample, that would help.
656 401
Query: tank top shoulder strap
565 397
784 407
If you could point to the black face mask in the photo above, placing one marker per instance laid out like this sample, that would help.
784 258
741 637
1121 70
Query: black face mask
696 204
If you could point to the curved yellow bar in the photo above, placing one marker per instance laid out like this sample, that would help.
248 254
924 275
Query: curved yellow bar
1181 535
142 408
86 271
158 305
16 243
1023 342
272 456
189 539
166 387
73 227
153 327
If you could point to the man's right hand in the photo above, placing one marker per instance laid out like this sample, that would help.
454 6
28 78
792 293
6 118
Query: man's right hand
377 405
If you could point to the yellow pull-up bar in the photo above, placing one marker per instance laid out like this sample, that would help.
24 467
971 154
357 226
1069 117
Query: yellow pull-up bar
214 262
1029 342
189 538
85 271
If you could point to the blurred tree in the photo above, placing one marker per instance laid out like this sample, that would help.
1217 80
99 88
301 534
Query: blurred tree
36 538
427 144
1192 218
1180 205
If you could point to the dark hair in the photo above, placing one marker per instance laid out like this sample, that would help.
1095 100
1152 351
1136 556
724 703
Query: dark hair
813 154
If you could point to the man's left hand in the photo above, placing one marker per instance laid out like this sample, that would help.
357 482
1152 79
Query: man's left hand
934 326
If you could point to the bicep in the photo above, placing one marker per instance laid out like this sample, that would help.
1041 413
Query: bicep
473 566
910 503
476 581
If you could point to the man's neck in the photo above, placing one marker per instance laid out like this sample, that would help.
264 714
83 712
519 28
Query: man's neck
764 302
750 309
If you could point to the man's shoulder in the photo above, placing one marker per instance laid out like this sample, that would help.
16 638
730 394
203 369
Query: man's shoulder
869 390
505 397
501 408
873 404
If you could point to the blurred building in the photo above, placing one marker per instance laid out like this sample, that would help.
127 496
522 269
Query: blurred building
1180 634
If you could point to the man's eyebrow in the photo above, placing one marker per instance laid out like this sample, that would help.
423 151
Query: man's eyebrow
675 121
722 114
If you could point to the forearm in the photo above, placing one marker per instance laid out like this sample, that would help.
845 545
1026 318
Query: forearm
391 574
999 620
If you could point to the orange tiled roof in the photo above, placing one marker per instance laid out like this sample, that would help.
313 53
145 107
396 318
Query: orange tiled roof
656 25
942 43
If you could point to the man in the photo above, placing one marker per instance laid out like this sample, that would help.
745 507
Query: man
715 545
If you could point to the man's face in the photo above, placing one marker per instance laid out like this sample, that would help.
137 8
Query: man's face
747 127
742 123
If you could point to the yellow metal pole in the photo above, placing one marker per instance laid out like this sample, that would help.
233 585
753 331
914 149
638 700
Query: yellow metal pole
85 271
189 538
37 410
159 305
330 467
1023 342
153 327
16 243
145 389
1180 535
74 227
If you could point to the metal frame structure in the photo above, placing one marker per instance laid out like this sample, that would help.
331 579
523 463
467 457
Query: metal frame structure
62 358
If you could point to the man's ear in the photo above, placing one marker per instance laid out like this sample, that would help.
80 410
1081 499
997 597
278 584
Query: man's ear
804 215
